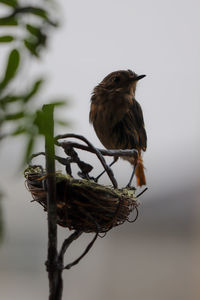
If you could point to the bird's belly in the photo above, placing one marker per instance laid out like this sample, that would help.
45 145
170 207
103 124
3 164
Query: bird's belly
114 128
114 139
104 133
111 135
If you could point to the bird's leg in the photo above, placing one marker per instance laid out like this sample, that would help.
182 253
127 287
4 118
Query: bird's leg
132 175
112 163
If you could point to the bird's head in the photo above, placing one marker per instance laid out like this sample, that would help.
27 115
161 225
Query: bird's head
121 80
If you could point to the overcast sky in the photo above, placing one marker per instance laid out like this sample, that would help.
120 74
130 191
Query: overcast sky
156 38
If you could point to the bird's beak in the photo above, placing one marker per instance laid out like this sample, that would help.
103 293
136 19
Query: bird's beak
138 77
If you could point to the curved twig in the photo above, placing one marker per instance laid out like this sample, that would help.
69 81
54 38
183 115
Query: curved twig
137 214
96 151
142 192
111 152
67 242
76 261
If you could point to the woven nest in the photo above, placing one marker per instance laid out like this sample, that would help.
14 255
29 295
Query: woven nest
81 204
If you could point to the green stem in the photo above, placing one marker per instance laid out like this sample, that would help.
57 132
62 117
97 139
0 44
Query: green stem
55 280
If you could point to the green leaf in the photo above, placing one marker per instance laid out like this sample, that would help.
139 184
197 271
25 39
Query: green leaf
33 30
11 69
6 39
19 130
12 3
37 38
39 12
58 103
34 90
31 47
29 148
40 122
9 99
48 127
15 116
43 119
8 21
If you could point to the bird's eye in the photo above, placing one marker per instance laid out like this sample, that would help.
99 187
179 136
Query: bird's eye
116 79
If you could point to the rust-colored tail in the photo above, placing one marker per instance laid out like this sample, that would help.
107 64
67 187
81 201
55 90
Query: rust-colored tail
139 172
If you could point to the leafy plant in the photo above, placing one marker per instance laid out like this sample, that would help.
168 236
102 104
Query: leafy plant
29 35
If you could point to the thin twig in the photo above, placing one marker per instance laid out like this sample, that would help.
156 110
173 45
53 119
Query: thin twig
67 242
137 213
118 152
74 158
142 192
62 160
66 245
37 154
104 152
96 151
75 262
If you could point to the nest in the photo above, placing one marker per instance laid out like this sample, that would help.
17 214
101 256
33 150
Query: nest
81 204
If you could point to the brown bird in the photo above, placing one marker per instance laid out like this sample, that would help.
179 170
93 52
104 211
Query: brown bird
118 119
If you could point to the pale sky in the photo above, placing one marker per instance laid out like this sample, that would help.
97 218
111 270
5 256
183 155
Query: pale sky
156 38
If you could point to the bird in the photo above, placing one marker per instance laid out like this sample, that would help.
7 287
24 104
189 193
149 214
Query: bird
117 118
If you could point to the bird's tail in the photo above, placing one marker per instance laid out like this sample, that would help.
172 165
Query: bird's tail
139 172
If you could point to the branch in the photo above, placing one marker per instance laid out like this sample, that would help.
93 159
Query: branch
75 262
66 245
64 161
96 151
141 192
55 280
118 152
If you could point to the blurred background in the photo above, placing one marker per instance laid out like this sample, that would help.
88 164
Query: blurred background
158 256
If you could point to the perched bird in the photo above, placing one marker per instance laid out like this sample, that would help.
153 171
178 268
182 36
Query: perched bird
118 119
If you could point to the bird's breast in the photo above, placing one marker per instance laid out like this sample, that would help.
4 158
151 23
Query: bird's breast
105 116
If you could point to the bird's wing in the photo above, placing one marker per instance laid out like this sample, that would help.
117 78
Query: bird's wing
135 121
138 116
